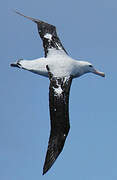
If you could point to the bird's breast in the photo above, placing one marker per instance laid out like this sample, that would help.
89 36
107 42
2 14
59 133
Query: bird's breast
61 67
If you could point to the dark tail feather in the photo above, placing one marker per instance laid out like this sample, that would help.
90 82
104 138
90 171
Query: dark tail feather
16 64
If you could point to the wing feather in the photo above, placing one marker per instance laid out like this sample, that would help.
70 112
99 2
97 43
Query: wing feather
48 35
59 115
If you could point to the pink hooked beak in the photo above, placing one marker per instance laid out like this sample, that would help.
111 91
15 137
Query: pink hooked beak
99 73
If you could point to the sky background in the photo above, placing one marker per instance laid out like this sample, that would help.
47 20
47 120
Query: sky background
88 29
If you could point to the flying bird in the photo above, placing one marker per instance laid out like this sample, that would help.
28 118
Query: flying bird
61 69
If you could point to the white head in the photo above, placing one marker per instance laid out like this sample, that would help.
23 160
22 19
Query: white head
88 67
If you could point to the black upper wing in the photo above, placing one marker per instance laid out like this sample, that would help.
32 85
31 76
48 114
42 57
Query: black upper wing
48 35
59 115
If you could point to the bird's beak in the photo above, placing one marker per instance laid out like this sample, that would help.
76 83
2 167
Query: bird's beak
99 73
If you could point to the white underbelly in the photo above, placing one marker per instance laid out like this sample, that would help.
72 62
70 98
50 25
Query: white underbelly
59 67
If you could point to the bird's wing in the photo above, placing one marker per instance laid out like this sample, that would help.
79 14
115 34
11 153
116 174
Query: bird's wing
48 35
59 114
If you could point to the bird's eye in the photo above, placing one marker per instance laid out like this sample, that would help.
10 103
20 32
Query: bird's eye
90 66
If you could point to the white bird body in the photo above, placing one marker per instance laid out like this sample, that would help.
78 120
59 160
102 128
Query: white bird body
61 65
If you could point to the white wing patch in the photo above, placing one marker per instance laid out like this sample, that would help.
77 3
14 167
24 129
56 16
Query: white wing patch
58 90
48 36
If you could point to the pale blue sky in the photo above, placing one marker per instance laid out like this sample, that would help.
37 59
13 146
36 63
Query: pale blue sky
88 29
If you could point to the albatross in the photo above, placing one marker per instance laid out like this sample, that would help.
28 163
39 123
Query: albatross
61 69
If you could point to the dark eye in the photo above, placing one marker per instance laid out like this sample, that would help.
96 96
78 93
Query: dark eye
90 66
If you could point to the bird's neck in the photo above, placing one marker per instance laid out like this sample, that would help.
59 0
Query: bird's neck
80 68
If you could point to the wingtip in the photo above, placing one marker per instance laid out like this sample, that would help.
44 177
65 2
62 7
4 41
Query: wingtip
43 173
30 18
45 169
17 12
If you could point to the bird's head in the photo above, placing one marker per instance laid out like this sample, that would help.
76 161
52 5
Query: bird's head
88 67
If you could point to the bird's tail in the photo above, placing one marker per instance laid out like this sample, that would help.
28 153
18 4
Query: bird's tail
16 64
